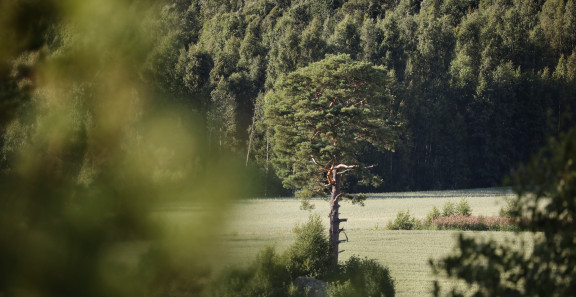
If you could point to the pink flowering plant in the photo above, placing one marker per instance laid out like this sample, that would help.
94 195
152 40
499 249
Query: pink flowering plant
452 217
470 223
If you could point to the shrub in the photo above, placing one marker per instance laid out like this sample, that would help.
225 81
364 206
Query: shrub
449 209
508 210
403 221
432 215
266 276
309 254
463 208
363 277
272 274
341 289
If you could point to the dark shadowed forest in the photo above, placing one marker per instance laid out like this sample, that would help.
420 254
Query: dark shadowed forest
479 85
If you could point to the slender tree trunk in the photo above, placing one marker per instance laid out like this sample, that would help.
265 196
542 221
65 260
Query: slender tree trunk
251 135
334 233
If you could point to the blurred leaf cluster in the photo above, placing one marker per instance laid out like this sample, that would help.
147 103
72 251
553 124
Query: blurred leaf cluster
542 264
88 156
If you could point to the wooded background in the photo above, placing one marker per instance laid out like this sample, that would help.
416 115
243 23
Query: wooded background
480 84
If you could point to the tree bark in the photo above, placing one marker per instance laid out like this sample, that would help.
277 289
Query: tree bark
334 233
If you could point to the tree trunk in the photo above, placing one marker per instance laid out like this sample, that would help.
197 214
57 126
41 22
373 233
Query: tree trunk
334 233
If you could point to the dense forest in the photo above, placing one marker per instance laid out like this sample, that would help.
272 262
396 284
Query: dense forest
479 85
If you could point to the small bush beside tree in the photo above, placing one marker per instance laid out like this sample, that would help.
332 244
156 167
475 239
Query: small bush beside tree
309 255
273 274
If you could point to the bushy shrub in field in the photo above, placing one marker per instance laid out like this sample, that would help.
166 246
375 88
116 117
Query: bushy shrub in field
403 221
453 217
449 209
266 276
309 254
432 215
507 210
463 208
271 274
363 277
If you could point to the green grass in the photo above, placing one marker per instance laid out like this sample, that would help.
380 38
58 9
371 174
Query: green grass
256 223
260 222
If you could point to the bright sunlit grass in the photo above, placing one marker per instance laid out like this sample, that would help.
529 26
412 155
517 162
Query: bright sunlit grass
257 223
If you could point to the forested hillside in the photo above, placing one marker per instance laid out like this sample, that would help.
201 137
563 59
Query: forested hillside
478 84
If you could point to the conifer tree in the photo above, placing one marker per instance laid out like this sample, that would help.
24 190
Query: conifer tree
321 116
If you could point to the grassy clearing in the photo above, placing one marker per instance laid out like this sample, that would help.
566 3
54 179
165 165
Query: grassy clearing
256 223
278 216
259 222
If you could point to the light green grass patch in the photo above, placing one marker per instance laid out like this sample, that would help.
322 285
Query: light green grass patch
257 223
250 225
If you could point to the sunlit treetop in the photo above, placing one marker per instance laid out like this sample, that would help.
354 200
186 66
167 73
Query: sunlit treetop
323 115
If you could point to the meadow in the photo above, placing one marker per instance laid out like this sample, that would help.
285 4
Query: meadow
256 223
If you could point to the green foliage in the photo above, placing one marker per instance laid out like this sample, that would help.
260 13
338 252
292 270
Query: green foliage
327 111
470 77
432 215
507 210
342 289
363 277
463 208
403 221
266 276
309 255
271 274
449 209
94 151
545 204
458 217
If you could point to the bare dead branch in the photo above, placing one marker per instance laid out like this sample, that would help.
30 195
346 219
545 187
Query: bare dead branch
361 102
344 171
344 166
317 163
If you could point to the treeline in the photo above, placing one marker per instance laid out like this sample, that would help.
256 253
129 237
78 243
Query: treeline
480 84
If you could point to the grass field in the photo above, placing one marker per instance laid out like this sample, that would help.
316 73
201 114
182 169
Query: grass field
260 222
256 223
